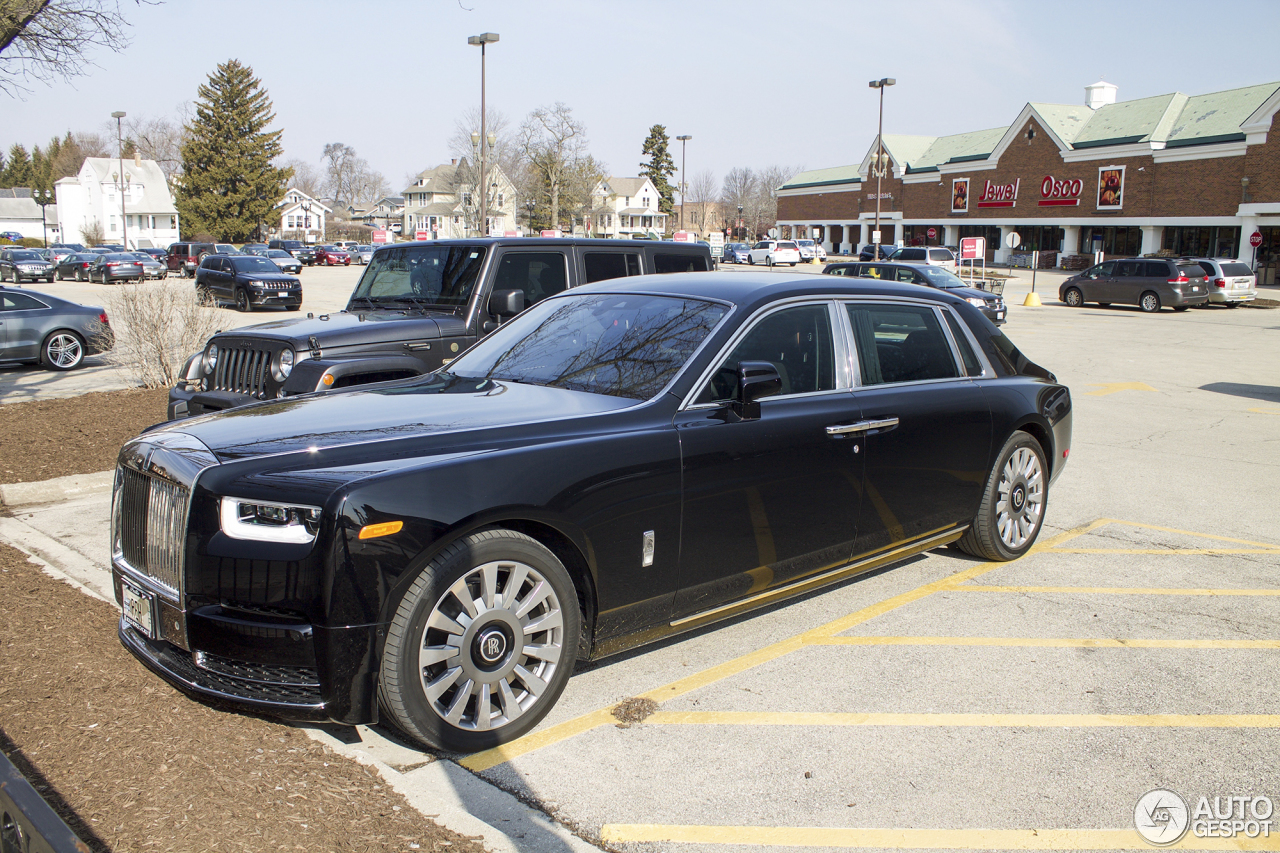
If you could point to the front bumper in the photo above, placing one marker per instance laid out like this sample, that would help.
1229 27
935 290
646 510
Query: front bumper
191 404
275 297
32 275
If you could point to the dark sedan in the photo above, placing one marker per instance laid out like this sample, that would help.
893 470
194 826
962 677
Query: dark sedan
116 266
332 256
990 304
74 266
596 474
869 252
250 281
19 264
37 327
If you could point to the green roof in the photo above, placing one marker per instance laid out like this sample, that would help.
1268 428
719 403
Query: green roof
907 150
1211 118
1066 120
958 148
823 177
1128 121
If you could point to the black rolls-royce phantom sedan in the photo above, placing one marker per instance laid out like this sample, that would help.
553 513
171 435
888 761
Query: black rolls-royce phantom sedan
593 476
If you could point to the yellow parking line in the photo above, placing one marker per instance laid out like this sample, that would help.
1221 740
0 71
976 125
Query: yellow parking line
1035 721
1266 411
1105 388
920 839
481 761
1050 642
1174 552
1181 532
1116 590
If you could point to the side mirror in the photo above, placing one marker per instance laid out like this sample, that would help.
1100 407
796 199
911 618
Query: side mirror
506 303
756 379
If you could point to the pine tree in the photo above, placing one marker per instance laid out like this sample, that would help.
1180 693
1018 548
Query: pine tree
228 185
660 167
17 171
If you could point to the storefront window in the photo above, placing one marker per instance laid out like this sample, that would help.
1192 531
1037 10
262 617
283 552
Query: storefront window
990 232
1203 242
1111 240
918 235
1039 238
1268 259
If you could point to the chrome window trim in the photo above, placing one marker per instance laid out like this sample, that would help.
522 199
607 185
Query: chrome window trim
987 371
795 301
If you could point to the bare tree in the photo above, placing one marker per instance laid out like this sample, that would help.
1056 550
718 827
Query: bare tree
48 40
553 143
159 139
739 191
704 195
770 179
306 177
349 178
505 154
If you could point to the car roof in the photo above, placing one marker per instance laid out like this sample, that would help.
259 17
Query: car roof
593 242
750 290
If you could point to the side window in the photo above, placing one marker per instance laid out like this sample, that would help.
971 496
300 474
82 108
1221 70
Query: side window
605 265
972 366
797 341
878 271
665 263
1208 268
538 274
1103 270
1125 269
19 302
840 271
900 343
906 274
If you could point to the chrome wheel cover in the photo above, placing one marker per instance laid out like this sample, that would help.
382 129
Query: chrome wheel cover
491 646
1073 298
1020 504
64 350
1150 303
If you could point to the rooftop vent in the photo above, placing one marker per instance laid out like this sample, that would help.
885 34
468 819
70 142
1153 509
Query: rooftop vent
1099 95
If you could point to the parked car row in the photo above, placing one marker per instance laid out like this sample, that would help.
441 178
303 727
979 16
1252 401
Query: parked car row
1155 283
991 305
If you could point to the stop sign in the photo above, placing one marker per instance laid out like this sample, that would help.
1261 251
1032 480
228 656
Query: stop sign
932 232
1255 239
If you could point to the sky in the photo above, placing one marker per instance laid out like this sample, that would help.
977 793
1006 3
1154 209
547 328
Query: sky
754 83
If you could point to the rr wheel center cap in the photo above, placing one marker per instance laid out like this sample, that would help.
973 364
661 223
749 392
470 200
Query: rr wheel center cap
1018 498
490 647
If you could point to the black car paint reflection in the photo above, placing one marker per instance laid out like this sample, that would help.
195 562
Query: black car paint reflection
594 452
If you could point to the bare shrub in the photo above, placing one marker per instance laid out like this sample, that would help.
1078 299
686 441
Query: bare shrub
91 233
155 327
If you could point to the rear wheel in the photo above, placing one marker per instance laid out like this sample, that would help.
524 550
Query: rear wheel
1013 502
1181 307
1073 297
1149 302
62 350
751 260
1105 304
482 643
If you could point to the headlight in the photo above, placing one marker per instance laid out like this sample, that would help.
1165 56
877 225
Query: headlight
286 363
269 522
211 358
976 301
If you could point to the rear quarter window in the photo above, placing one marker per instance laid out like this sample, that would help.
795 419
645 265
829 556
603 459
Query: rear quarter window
1191 270
665 263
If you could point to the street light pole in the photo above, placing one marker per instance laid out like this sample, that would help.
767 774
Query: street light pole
741 231
879 166
44 198
683 186
124 227
482 185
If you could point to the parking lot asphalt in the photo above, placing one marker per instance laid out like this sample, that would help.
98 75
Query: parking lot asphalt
948 703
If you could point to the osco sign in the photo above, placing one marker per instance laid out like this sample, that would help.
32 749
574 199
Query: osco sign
1060 193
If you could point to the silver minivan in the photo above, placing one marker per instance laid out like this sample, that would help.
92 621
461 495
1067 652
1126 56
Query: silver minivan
1228 281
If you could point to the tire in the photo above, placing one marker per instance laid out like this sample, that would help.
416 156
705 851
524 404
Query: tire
793 265
1005 529
62 350
292 307
431 657
1105 304
59 276
751 261
78 275
1181 307
1232 304
242 301
49 280
1149 302
1073 297
768 260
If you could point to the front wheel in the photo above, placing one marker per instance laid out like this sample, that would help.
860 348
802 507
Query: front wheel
1013 502
63 350
1149 302
242 301
751 261
482 644
1073 297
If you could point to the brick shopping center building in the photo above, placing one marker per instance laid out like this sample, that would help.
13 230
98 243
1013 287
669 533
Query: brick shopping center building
1173 174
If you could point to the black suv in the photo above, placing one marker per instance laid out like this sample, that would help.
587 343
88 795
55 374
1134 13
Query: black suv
990 304
249 281
415 308
297 248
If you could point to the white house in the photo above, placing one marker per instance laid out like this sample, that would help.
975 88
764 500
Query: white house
624 208
94 197
439 204
20 213
301 217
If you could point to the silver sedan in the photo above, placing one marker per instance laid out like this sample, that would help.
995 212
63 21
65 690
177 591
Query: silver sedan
151 268
361 254
37 327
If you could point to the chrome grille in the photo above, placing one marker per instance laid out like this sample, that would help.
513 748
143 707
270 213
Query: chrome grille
151 526
243 371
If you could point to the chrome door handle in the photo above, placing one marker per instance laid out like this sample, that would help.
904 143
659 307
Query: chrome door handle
862 426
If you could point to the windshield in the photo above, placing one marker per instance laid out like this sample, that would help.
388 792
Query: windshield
254 263
26 256
939 277
278 253
622 345
429 275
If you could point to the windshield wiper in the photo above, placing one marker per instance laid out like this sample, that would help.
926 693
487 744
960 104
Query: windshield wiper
373 306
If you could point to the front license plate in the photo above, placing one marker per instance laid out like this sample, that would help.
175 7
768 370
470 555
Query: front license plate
999 315
139 609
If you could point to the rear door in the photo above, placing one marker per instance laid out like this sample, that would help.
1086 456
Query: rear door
602 264
1129 282
23 318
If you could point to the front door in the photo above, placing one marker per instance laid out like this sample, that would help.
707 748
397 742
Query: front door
929 435
773 499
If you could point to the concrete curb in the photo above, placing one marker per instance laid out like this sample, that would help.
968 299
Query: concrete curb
57 489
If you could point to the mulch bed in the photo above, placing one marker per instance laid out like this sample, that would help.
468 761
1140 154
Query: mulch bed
42 439
131 764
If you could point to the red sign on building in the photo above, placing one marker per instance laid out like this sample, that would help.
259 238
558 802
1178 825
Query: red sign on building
1060 193
999 195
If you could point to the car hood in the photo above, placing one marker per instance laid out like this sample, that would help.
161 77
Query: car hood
413 414
265 276
970 292
351 329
